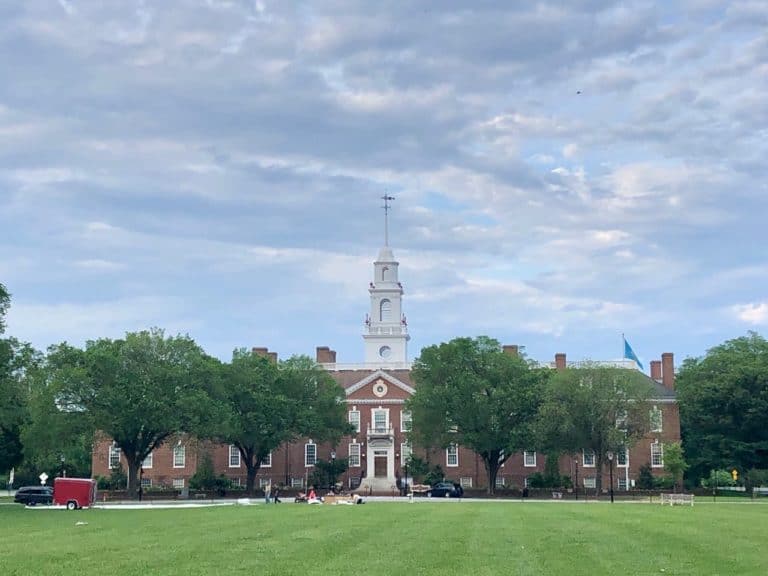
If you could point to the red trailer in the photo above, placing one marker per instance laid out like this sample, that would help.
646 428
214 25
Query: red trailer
74 492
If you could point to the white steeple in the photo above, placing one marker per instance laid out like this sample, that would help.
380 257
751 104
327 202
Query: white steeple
386 335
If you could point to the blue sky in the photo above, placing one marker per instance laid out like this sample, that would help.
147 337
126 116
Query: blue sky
563 172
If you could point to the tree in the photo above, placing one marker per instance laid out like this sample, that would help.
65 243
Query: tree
137 391
674 462
723 401
18 364
264 404
5 302
596 409
470 393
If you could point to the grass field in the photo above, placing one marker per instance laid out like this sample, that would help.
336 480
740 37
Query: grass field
390 538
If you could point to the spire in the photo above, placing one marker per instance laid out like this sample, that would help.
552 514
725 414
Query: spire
386 207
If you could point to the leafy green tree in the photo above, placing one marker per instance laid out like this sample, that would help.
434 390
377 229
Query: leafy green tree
418 468
723 401
5 302
204 477
674 462
470 393
19 363
718 478
263 405
594 408
645 478
327 472
138 391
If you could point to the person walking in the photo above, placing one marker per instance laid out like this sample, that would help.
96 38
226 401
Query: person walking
267 490
276 495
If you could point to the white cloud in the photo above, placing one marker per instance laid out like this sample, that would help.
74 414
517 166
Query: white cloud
755 313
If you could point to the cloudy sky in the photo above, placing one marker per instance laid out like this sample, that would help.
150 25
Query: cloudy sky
563 172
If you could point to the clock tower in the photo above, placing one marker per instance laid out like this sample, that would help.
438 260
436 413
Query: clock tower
386 332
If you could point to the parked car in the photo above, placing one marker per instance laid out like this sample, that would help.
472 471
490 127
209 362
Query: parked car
31 495
443 490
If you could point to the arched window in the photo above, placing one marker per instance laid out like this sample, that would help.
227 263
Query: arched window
384 273
385 311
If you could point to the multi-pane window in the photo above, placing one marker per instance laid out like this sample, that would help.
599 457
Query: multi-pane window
297 482
179 456
114 456
178 483
465 481
146 483
405 453
265 482
405 421
235 481
234 456
622 483
622 458
657 455
588 458
452 456
267 461
527 482
656 420
499 481
590 482
380 420
354 419
310 454
529 458
148 461
354 455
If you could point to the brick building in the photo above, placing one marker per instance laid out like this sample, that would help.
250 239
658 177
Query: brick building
376 391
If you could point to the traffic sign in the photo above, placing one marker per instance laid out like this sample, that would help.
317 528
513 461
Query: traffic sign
43 478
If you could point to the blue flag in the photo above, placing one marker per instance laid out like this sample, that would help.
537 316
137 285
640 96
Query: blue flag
630 354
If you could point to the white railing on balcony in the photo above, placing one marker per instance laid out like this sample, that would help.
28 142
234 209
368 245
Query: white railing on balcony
388 330
381 430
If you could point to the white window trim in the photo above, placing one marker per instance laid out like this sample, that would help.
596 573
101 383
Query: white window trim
525 458
146 483
306 459
232 451
114 450
180 450
590 482
455 448
405 452
385 411
405 417
178 483
626 459
148 462
350 420
584 459
661 455
465 481
355 447
267 462
660 420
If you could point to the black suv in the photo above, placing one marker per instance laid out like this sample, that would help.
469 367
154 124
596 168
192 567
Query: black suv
31 495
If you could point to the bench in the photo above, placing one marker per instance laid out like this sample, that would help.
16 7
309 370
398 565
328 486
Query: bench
673 499
557 495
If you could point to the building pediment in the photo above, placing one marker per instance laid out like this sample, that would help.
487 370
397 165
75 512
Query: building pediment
380 383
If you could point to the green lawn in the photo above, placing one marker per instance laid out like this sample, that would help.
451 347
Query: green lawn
390 538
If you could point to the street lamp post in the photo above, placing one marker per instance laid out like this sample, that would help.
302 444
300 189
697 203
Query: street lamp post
609 454
63 471
332 471
406 477
576 475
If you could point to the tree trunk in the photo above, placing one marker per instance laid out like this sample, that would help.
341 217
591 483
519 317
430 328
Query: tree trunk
134 465
492 466
252 466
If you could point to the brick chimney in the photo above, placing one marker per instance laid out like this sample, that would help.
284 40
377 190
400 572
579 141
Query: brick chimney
272 356
560 361
260 351
668 370
325 355
510 349
656 370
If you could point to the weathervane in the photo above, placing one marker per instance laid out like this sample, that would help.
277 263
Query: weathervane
386 207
